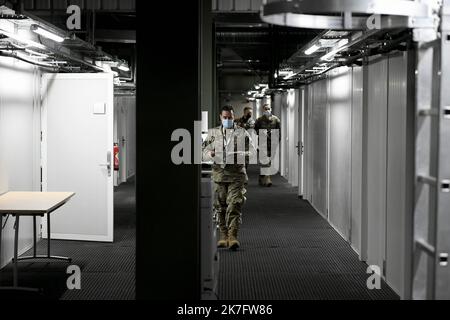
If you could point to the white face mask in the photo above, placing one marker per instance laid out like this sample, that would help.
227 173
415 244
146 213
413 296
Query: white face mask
267 113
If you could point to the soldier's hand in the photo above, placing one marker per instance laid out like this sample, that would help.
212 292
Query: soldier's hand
212 153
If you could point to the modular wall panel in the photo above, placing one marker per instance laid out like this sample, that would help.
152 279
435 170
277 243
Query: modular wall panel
284 167
308 160
356 163
340 150
396 172
319 146
295 99
376 160
292 102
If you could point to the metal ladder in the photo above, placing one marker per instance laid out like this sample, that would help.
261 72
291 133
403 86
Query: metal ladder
430 278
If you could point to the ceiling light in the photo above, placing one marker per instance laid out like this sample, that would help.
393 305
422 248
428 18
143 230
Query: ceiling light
45 33
312 49
124 67
290 75
342 42
330 55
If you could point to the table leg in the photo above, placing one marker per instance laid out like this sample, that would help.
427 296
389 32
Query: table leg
48 236
16 249
15 270
1 231
34 236
47 256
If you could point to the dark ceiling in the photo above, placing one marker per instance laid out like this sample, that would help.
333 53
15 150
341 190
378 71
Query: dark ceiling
245 45
109 25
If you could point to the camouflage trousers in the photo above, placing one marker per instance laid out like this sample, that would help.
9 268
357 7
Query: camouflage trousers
229 200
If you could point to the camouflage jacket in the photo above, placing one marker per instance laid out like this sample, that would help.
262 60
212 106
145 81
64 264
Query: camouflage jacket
264 127
232 151
263 122
246 123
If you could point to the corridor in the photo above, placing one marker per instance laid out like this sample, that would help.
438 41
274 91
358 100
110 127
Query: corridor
289 252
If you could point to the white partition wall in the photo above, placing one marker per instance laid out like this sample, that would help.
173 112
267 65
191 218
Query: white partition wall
300 127
376 160
357 157
398 212
339 99
308 150
318 146
293 119
19 143
284 150
360 119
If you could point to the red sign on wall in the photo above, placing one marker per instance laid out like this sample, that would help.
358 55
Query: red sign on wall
116 157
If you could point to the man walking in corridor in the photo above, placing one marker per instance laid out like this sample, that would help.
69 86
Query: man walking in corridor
229 147
266 125
246 121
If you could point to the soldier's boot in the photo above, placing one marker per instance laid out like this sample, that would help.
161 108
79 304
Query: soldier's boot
268 181
261 180
265 181
223 238
233 242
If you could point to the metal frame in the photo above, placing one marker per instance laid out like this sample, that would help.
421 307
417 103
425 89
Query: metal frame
442 267
431 279
316 14
16 259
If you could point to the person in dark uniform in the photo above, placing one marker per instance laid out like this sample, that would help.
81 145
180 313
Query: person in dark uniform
246 121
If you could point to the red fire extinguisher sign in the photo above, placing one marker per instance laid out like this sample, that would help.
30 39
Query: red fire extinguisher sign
116 157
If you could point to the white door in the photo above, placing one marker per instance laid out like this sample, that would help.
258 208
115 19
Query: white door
77 153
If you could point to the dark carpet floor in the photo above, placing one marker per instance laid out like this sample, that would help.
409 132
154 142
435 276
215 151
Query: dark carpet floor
289 252
107 269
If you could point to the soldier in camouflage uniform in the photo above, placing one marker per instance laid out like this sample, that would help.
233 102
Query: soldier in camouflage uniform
246 121
267 122
229 147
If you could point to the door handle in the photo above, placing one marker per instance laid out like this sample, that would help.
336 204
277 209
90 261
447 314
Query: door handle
300 148
108 165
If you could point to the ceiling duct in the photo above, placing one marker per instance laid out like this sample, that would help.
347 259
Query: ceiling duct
351 14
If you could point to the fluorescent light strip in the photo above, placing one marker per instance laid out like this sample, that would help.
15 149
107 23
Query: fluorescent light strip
312 49
23 40
47 34
329 56
290 75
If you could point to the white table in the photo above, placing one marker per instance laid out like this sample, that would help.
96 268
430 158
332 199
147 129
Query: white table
31 204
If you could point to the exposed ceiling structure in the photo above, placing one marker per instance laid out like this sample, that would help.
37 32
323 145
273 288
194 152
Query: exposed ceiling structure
335 48
35 31
297 41
354 30
248 47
